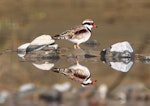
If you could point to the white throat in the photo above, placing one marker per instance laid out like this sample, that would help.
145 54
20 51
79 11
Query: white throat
87 81
89 27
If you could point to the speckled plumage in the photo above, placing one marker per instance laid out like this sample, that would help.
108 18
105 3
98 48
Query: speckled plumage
77 73
78 34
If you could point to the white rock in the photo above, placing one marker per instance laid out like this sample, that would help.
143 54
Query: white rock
45 66
22 49
43 40
120 66
121 47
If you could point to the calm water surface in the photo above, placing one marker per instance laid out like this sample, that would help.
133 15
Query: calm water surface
120 87
25 82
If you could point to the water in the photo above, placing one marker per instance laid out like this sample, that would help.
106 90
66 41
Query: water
21 22
120 75
119 59
116 75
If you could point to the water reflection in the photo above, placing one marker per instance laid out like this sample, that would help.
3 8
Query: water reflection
78 73
41 55
119 56
43 43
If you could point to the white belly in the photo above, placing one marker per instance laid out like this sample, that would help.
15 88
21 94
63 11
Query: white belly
81 38
84 69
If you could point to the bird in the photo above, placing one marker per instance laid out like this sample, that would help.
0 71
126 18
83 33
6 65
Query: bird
78 34
78 73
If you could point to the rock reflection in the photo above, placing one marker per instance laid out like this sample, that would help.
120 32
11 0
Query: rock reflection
44 55
75 72
44 44
119 56
41 55
145 59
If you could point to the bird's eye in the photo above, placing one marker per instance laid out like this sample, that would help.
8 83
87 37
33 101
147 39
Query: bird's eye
91 23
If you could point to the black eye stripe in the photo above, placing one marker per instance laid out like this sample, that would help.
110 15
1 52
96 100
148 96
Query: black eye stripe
87 23
85 84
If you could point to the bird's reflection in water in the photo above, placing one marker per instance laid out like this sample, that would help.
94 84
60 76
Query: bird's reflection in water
46 61
43 56
78 73
119 56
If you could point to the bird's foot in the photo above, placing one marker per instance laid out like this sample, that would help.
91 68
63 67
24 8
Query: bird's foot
76 46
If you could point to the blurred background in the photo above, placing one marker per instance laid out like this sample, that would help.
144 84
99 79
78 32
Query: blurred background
23 20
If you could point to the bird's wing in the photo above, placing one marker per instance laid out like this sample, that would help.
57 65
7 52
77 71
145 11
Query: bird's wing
74 32
75 74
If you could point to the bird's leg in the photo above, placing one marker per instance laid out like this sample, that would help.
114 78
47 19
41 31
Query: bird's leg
75 46
77 62
78 46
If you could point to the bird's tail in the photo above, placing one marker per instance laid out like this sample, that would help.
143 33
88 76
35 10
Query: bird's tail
58 37
58 70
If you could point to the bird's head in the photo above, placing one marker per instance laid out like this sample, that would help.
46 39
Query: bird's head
88 83
89 24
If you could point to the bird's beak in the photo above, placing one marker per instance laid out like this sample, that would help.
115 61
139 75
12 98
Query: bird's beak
94 26
93 82
89 84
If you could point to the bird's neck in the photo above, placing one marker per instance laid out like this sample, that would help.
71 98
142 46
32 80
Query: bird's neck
88 27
